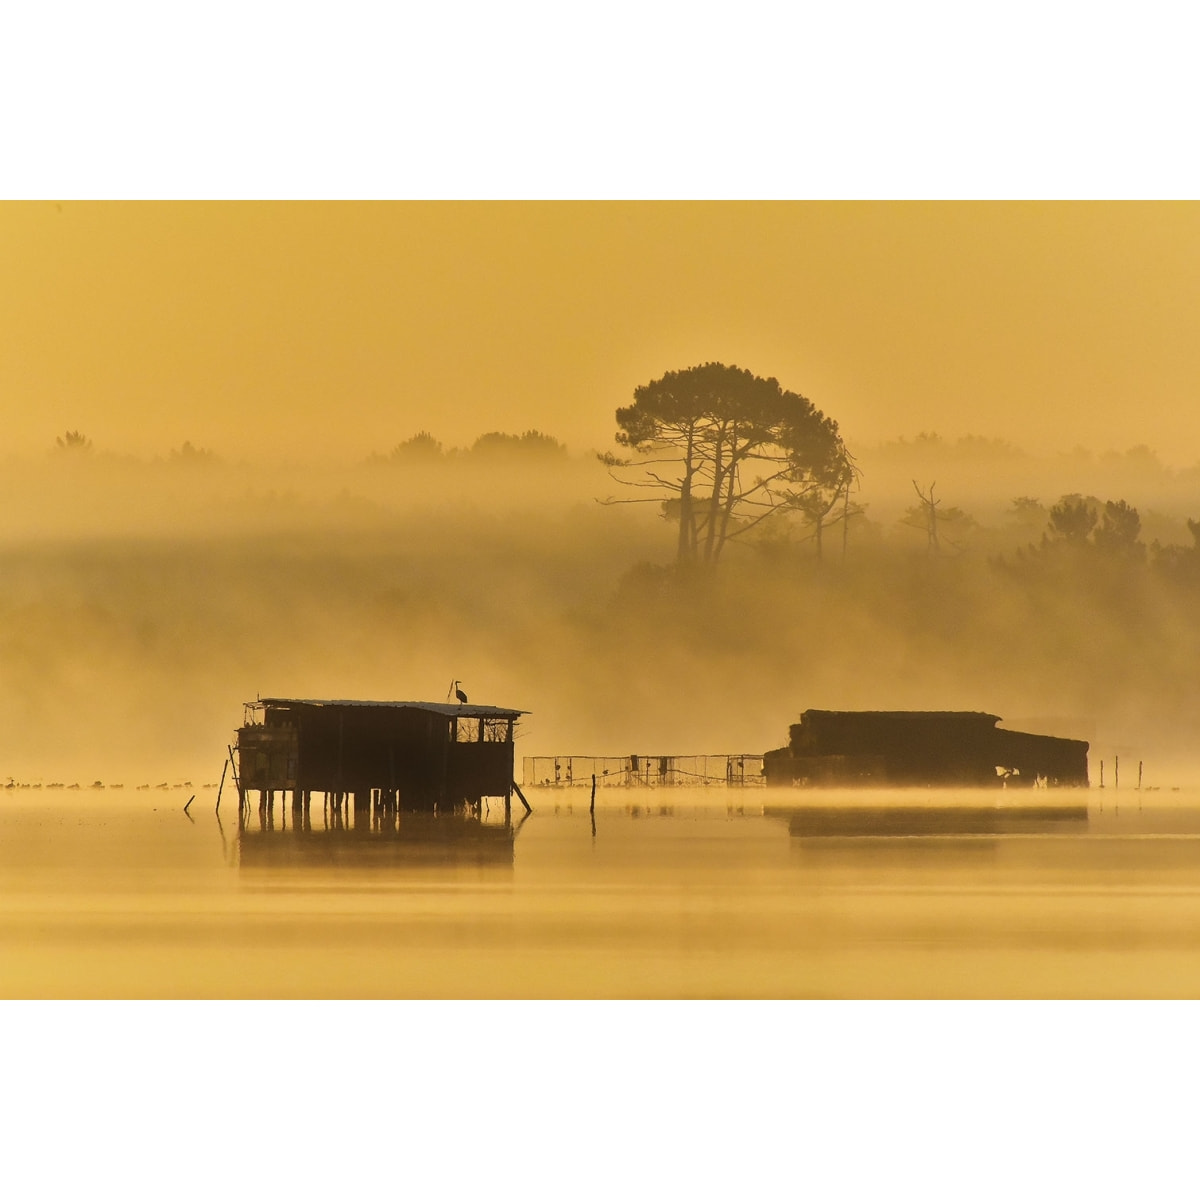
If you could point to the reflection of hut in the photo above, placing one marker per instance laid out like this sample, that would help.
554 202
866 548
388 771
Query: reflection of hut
412 841
940 748
406 754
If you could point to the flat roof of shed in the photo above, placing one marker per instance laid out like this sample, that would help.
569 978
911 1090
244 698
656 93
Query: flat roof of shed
903 714
445 710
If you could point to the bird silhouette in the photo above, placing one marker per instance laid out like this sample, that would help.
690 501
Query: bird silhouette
459 694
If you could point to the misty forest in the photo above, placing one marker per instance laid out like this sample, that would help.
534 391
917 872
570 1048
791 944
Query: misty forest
729 560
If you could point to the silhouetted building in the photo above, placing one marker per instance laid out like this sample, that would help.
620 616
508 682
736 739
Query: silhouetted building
931 748
405 753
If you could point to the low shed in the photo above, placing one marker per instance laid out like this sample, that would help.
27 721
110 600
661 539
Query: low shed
417 754
940 748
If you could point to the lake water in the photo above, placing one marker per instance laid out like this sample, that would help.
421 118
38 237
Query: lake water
669 893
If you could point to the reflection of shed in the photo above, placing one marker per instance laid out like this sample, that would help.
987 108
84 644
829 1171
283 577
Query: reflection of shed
412 753
944 820
948 748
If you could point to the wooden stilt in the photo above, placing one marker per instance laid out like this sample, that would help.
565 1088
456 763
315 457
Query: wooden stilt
237 779
221 785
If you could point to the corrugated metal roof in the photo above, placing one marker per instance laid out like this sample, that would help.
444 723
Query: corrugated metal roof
445 710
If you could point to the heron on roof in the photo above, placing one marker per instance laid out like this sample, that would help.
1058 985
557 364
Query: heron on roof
459 694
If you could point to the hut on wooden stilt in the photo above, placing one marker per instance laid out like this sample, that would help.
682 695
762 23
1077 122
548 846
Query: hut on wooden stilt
376 754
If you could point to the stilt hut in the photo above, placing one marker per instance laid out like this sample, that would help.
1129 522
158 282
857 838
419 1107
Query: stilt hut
403 753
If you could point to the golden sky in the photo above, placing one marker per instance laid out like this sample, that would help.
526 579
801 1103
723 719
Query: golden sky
306 329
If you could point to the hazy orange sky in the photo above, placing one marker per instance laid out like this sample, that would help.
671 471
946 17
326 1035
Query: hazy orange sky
305 329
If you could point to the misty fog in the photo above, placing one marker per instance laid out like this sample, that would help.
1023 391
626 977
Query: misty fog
144 600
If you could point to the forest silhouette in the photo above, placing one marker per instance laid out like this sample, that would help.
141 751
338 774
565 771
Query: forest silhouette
144 600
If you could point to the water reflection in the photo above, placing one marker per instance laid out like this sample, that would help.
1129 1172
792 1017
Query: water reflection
930 821
824 894
395 840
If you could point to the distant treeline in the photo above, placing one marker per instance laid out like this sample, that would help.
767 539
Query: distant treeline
1109 530
879 509
76 445
926 450
933 494
423 447
932 447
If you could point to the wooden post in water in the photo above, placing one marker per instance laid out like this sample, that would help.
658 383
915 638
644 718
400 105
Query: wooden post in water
237 779
1139 774
221 786
1116 770
521 796
1102 772
592 808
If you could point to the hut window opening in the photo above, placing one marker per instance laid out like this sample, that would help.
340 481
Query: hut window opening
481 729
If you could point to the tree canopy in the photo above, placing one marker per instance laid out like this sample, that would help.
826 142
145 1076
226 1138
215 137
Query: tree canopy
73 440
529 442
724 450
1080 522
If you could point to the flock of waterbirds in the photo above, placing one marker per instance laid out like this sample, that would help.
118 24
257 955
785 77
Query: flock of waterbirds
99 786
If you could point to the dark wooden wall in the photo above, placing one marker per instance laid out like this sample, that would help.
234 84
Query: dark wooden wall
355 748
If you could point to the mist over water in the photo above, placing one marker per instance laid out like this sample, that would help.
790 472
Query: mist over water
668 892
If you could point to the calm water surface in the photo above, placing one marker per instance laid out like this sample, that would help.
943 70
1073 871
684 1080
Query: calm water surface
718 893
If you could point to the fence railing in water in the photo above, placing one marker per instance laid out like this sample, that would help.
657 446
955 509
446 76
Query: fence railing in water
644 770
